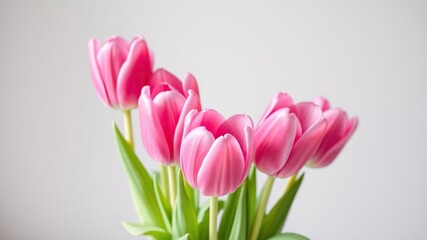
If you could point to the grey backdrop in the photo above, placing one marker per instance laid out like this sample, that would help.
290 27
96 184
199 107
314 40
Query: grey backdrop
60 176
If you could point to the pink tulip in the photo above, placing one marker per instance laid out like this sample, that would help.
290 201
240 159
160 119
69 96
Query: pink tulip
120 70
287 136
339 130
162 108
216 153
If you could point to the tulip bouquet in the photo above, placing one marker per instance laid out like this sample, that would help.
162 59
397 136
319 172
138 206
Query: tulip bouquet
202 152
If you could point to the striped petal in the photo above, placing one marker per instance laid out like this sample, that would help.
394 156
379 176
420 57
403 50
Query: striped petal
190 83
153 138
168 106
134 74
210 119
279 101
235 125
222 168
274 139
192 102
93 46
111 57
161 76
304 148
195 146
322 102
323 160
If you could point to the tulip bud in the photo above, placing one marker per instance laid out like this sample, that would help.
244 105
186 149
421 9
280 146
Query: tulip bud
216 153
287 136
162 109
339 130
119 70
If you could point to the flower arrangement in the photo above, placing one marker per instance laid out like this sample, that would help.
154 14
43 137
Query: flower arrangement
202 152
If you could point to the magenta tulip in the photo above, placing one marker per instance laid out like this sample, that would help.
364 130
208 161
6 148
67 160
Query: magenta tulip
339 130
287 136
120 70
216 153
162 108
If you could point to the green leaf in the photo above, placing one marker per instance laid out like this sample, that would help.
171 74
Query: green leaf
203 219
273 222
240 223
228 215
164 204
186 237
141 184
184 217
289 236
193 194
138 229
251 195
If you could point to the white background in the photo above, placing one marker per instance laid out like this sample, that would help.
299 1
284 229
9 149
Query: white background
60 175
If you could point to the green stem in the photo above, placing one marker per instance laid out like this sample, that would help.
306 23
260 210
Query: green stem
128 126
261 208
164 180
213 212
172 184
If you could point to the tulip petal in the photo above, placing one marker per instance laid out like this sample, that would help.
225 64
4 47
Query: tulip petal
137 38
322 102
168 106
222 168
123 43
134 74
307 113
333 152
150 52
304 148
195 146
111 57
187 122
192 102
337 127
161 76
93 46
152 134
274 139
250 151
160 88
235 125
280 100
190 83
211 119
151 59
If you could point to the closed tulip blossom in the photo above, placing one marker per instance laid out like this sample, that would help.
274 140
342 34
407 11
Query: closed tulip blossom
339 130
216 153
287 136
162 108
119 70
